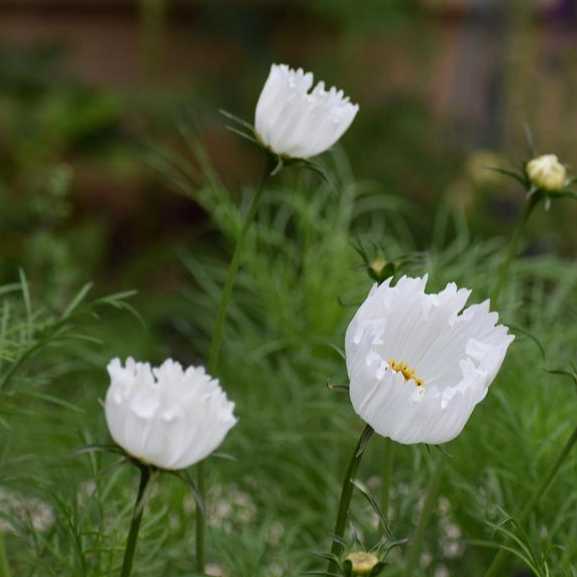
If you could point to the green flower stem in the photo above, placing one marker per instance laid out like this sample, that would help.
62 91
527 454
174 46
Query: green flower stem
136 520
4 567
233 267
346 495
513 246
388 449
416 544
497 564
200 520
216 345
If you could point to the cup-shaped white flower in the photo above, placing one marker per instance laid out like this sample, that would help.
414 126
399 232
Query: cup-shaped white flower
418 363
296 122
166 416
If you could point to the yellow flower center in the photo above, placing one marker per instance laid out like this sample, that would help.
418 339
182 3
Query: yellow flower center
408 373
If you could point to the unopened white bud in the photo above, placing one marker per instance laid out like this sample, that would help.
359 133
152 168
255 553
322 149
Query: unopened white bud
547 173
362 562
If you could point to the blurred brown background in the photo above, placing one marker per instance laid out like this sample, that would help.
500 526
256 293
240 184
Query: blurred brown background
89 87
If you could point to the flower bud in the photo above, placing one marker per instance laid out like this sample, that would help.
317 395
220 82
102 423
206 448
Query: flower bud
362 562
380 269
547 173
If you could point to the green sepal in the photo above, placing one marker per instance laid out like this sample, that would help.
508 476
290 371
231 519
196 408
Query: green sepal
338 388
317 169
185 477
572 373
100 448
243 134
279 164
377 569
530 336
521 178
565 193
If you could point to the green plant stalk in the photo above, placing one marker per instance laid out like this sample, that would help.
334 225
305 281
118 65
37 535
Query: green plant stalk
416 546
18 363
497 564
216 346
346 495
4 567
231 274
388 449
200 520
513 246
136 520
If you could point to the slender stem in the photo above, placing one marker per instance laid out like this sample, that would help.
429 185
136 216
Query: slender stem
135 525
513 246
387 476
216 344
200 521
225 298
346 495
18 363
416 546
4 566
496 565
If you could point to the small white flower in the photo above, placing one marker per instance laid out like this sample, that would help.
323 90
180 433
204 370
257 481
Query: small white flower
166 416
418 363
296 123
547 173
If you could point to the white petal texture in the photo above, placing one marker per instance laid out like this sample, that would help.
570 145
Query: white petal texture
166 416
418 363
293 121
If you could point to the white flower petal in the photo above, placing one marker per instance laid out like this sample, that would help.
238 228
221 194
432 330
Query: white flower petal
295 122
166 416
418 363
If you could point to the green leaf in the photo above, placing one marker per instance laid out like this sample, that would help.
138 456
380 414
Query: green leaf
374 505
77 300
531 337
520 178
26 295
237 119
186 478
563 373
243 134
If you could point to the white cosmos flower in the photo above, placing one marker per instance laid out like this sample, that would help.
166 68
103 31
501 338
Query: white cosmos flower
166 416
418 363
293 121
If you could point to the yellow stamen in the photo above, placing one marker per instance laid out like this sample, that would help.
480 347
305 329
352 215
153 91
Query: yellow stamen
407 372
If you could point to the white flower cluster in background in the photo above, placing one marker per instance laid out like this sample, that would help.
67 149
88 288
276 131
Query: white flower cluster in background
18 511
